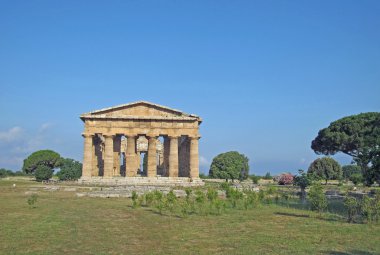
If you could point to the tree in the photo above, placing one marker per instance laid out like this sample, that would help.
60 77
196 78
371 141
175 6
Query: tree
303 181
325 168
70 169
267 176
355 135
229 165
46 158
356 178
349 170
376 166
43 173
5 172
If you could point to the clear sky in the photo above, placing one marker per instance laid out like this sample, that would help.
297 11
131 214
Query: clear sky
265 76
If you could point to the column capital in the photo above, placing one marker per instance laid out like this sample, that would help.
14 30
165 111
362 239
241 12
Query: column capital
196 137
174 136
130 135
108 135
88 135
151 136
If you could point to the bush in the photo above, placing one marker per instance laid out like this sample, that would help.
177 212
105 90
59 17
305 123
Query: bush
43 173
212 194
285 179
135 197
235 196
70 169
255 179
171 200
32 200
356 178
317 198
352 206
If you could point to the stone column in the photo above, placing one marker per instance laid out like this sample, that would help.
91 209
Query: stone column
108 156
116 155
166 155
87 155
152 157
194 157
173 157
95 168
131 157
138 161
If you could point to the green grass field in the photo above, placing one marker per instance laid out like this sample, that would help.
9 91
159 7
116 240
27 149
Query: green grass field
61 223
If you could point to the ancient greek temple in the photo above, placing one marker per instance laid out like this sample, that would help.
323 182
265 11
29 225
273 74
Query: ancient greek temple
140 139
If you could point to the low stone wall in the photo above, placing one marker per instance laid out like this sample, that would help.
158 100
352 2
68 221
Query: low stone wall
142 181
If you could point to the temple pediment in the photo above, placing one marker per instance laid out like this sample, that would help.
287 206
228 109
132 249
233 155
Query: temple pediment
139 110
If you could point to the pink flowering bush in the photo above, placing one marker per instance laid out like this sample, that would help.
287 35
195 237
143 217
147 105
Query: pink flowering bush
285 179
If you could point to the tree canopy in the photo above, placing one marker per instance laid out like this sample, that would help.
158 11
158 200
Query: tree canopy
47 158
357 136
229 165
325 168
349 170
70 169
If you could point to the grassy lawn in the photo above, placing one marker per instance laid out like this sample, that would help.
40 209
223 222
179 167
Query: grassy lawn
61 223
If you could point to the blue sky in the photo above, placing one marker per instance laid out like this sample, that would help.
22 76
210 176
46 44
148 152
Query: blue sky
264 75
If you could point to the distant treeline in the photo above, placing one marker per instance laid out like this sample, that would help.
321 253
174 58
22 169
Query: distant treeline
6 173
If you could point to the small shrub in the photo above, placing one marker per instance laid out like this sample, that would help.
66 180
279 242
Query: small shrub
286 197
220 206
317 198
149 198
171 200
212 194
366 208
351 204
235 197
188 191
253 198
226 187
186 208
200 199
32 200
376 206
261 196
255 179
135 197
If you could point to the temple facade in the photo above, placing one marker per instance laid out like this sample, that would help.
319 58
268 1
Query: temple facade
140 139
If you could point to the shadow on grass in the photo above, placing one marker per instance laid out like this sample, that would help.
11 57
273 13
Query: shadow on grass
292 214
353 252
296 204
